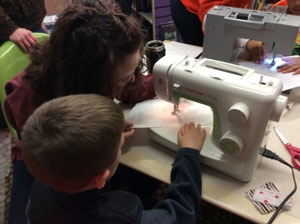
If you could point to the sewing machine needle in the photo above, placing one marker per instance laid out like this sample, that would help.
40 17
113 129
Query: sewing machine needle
273 61
175 110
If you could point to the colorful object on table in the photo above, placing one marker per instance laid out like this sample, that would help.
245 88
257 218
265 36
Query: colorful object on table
274 198
296 50
294 151
263 207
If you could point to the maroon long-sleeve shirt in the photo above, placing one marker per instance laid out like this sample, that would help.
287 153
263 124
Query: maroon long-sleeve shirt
22 100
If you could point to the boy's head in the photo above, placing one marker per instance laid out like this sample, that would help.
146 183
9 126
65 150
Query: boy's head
74 142
294 7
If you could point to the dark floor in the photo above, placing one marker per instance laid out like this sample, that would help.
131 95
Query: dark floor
5 174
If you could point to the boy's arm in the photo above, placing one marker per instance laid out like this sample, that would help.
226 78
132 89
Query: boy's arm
182 200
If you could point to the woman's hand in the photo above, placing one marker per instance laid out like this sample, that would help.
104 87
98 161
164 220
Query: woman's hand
292 65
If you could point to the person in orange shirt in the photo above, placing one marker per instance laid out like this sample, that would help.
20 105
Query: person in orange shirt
188 16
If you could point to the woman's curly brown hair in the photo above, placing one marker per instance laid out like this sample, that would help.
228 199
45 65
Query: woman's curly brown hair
89 41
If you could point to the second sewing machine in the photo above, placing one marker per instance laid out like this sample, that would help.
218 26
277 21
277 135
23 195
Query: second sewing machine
225 26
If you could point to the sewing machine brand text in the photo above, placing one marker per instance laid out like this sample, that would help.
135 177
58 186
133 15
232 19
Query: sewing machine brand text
194 91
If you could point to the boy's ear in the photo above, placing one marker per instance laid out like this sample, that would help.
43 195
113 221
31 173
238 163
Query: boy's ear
102 178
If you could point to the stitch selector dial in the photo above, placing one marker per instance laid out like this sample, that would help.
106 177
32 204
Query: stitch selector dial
231 143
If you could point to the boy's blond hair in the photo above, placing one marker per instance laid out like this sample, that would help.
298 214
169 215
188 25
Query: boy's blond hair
70 140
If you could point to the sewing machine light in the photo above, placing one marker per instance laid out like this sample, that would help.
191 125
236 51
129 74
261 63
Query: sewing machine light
277 62
176 85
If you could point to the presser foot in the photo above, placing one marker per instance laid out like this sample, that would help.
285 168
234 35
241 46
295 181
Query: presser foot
176 111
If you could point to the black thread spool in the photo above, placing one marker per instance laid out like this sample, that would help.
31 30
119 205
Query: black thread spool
155 49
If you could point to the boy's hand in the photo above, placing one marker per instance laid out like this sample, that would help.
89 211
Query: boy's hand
256 51
128 130
292 65
190 136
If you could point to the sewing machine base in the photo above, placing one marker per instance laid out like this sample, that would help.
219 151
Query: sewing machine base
209 155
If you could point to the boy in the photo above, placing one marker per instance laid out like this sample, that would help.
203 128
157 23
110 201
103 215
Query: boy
73 145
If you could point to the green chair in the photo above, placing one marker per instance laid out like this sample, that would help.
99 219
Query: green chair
12 61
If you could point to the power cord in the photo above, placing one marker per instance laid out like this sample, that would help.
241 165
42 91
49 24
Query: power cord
198 56
271 155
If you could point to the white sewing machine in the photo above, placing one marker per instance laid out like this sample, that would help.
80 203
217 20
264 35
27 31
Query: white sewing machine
223 25
242 103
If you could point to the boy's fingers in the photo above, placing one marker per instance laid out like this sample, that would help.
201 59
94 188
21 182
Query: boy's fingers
186 126
192 125
129 124
180 133
203 134
129 133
